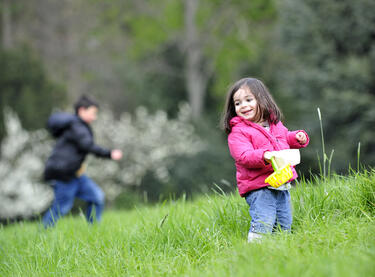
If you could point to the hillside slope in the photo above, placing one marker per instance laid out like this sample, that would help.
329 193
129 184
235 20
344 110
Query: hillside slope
333 235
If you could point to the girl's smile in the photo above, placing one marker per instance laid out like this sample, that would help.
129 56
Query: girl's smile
245 103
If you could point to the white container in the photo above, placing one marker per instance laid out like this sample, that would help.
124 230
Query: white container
287 156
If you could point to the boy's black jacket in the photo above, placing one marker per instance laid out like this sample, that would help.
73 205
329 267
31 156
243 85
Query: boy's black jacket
74 141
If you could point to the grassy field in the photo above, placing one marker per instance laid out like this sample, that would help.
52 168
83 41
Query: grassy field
333 235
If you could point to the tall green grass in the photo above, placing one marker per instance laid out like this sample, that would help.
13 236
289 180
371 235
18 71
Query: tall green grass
333 235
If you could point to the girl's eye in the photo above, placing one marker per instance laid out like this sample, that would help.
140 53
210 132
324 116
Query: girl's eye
249 99
236 103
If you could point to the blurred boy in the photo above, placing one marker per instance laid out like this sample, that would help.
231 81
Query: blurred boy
65 165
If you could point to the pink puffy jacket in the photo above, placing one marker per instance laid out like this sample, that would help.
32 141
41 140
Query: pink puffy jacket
247 143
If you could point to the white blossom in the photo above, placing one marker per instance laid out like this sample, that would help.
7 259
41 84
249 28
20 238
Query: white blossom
150 142
22 194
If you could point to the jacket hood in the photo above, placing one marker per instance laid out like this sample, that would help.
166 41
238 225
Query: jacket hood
237 119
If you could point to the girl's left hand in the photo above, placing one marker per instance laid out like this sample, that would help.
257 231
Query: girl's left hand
301 137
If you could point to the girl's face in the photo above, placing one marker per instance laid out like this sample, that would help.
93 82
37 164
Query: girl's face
245 103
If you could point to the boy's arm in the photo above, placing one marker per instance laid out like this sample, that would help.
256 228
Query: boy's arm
85 142
99 151
243 151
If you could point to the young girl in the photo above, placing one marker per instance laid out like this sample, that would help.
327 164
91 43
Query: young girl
252 121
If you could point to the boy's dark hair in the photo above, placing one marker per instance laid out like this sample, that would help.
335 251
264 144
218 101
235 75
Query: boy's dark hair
85 102
267 107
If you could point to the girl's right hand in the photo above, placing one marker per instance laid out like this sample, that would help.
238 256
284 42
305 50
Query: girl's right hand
267 156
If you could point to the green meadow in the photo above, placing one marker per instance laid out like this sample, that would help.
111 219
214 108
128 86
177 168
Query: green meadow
333 235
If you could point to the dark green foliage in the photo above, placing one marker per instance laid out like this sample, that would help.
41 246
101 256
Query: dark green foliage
157 83
192 175
25 88
211 169
331 47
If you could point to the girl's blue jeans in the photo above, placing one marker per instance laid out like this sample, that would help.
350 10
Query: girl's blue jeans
65 192
269 209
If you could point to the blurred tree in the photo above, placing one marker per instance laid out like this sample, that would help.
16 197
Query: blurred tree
120 51
23 82
330 64
57 32
143 84
6 24
214 38
60 32
26 89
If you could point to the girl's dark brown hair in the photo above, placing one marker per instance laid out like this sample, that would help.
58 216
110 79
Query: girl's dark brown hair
267 108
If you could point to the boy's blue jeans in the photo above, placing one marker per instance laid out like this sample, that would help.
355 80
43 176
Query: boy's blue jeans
269 209
65 192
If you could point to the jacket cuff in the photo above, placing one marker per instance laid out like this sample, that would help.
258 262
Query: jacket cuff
255 159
